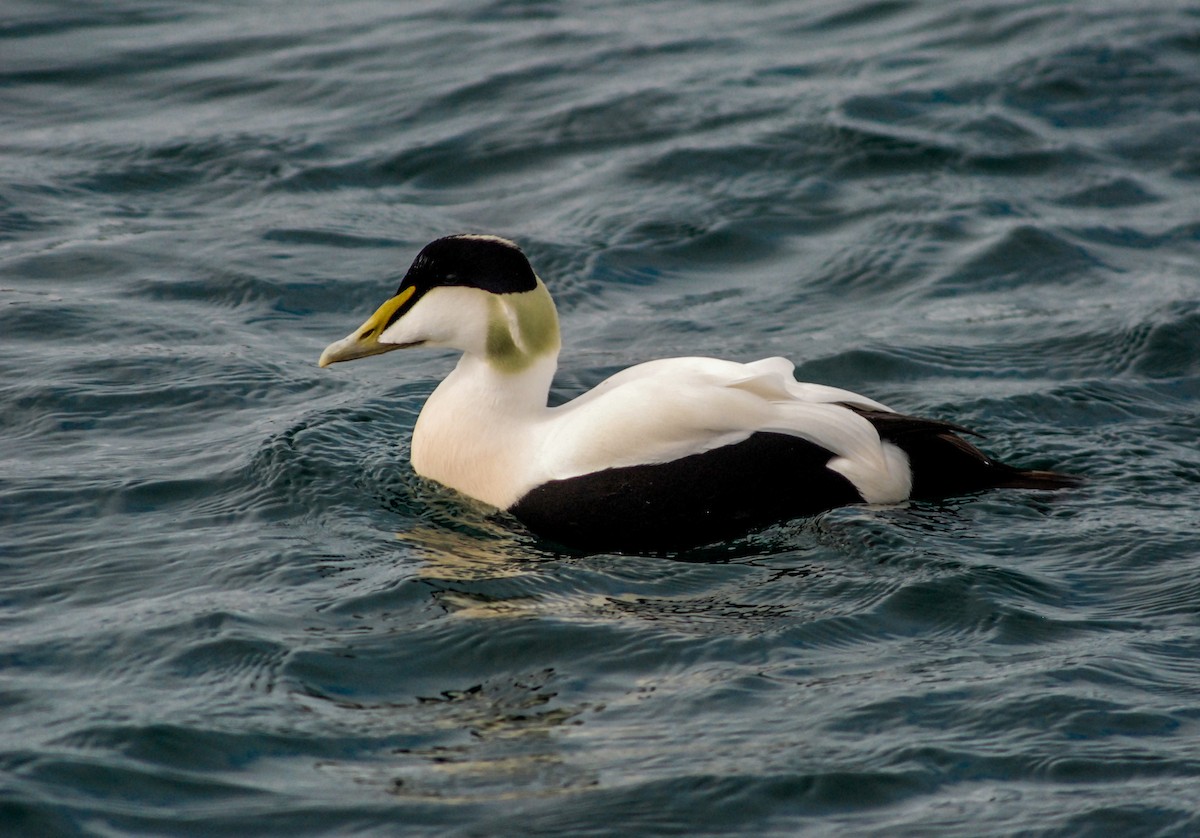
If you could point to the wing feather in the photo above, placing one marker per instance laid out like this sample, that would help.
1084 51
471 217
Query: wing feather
671 408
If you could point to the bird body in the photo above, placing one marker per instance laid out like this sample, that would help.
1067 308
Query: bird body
668 453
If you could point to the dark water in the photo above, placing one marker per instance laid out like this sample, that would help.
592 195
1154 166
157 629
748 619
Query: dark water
228 607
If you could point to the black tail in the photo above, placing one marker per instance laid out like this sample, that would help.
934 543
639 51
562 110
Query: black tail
945 464
1038 479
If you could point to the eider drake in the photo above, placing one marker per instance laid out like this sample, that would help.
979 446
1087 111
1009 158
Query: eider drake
664 455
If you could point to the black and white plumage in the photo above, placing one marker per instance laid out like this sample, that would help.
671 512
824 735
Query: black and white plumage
663 455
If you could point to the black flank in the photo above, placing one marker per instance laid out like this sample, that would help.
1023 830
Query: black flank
699 499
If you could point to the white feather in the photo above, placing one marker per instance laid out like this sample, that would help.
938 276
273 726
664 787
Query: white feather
491 436
666 409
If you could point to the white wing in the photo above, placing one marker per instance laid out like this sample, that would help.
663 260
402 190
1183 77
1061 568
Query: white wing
663 410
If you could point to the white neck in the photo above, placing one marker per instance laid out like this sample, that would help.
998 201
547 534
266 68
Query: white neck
477 433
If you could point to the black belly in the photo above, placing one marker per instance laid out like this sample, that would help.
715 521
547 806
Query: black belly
687 502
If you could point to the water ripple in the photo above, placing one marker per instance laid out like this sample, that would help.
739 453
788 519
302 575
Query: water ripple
230 606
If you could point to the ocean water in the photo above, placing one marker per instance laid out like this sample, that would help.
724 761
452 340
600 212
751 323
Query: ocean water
229 607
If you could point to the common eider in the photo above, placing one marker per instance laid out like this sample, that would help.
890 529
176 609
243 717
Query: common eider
665 455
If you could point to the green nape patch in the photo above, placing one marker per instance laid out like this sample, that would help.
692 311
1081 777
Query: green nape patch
537 329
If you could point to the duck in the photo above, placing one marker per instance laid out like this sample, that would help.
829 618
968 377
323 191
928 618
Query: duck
666 455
